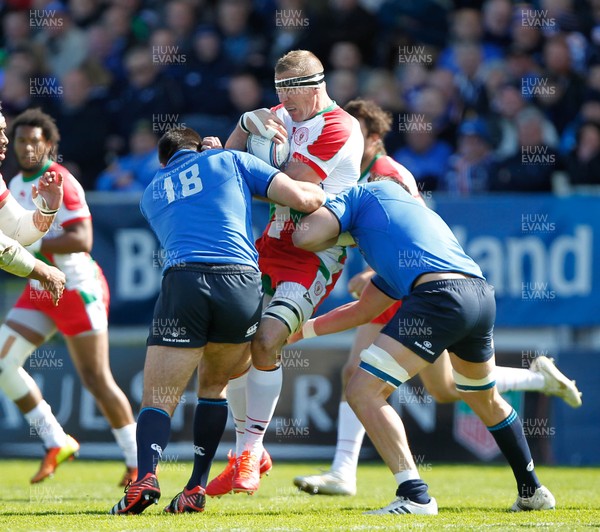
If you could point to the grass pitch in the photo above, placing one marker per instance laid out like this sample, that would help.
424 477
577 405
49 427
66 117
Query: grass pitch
473 497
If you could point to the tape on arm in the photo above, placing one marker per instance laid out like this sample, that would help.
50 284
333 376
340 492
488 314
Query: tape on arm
264 131
14 258
17 222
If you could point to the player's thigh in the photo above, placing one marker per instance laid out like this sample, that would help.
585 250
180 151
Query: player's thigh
218 364
472 370
365 336
408 360
365 388
89 352
167 371
30 316
438 380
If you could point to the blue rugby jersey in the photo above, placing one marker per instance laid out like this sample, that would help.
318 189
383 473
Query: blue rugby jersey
199 206
399 237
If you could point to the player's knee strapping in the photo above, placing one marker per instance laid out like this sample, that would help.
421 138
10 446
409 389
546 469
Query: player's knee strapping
288 311
382 365
466 384
15 382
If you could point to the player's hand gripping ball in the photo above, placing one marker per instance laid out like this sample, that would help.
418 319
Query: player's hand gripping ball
276 155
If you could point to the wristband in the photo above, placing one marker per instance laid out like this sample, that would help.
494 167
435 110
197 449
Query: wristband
242 125
42 206
308 329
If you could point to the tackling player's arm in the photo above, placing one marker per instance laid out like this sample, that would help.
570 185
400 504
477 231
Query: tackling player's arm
371 304
301 196
319 231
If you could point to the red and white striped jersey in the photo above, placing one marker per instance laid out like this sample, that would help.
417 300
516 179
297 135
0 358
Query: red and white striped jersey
330 142
79 268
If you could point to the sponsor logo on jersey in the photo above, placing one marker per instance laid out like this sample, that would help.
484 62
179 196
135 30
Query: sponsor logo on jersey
318 288
301 135
252 329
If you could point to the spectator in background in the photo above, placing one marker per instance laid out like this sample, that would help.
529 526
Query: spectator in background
246 94
583 163
497 17
342 85
466 28
444 80
243 43
432 107
472 167
292 33
82 147
506 106
19 92
345 55
522 67
468 57
147 95
426 157
381 87
208 72
494 75
525 35
171 57
110 41
565 89
348 21
85 13
65 44
16 30
589 112
531 167
180 19
135 170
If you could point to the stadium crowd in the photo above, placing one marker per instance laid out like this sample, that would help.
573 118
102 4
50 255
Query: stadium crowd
499 97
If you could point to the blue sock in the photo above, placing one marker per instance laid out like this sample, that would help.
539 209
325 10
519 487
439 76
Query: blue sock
153 431
512 442
415 490
209 424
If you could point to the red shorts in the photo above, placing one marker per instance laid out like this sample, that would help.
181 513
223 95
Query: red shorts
78 311
388 314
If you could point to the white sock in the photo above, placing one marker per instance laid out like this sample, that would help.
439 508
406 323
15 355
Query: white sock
262 394
236 398
46 425
125 437
408 474
350 436
518 379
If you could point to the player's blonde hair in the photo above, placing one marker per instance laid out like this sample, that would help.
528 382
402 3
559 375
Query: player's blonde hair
299 63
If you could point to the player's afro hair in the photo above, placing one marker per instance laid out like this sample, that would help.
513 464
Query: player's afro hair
37 118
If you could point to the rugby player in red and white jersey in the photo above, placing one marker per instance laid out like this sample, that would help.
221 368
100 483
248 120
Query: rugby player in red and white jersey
20 227
82 313
326 147
543 376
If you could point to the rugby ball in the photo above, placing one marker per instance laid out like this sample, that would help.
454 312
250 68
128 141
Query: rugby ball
276 155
